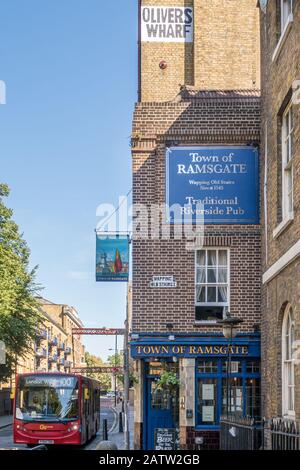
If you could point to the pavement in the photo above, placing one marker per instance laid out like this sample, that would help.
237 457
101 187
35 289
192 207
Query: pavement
114 435
119 438
5 421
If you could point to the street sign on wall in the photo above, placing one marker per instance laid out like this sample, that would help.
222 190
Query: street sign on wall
163 281
213 185
112 257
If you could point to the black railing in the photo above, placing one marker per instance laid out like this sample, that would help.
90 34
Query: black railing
285 434
239 433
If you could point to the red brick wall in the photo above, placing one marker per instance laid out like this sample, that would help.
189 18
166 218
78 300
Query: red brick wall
211 439
203 118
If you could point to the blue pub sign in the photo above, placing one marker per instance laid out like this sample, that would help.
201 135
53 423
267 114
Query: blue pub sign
212 184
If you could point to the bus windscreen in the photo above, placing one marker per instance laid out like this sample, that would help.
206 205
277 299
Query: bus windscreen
47 398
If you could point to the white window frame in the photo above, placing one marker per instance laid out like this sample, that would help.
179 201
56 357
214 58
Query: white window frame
288 365
286 10
287 163
216 284
286 21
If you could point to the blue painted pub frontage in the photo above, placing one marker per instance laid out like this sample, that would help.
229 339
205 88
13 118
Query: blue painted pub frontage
205 389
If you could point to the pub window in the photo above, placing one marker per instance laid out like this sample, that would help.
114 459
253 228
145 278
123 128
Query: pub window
235 367
234 396
218 394
207 367
253 367
288 368
212 284
287 163
253 397
207 402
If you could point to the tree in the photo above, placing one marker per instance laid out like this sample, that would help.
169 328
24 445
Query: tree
94 361
116 360
19 310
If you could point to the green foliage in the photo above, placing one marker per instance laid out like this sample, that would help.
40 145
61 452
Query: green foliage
168 381
94 361
117 360
19 314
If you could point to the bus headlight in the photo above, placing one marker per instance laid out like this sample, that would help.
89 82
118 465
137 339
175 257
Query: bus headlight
75 427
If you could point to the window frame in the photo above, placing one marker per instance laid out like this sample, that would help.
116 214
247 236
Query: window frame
288 365
212 284
285 26
219 376
284 17
287 162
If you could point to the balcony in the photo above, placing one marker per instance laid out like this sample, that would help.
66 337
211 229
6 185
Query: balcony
41 352
52 358
53 341
61 346
68 350
41 334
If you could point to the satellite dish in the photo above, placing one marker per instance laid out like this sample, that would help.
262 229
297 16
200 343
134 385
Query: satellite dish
263 5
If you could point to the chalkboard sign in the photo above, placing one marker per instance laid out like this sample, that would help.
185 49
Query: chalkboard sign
165 439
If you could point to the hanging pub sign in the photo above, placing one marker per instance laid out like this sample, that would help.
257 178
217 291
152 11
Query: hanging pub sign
112 257
212 185
166 24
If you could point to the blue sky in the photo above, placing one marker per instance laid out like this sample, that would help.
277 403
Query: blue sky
70 68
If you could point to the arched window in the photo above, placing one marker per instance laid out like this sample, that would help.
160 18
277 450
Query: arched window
288 372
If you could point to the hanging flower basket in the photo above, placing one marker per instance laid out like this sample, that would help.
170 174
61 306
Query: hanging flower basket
168 381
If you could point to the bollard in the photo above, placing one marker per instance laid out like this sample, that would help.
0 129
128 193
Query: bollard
120 421
105 434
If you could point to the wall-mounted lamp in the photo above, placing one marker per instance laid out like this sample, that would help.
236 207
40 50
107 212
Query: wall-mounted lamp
163 65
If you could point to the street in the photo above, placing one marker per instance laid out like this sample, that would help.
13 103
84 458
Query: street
107 412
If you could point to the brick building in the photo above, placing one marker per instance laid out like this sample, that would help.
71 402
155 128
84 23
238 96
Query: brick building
64 349
280 190
198 102
55 349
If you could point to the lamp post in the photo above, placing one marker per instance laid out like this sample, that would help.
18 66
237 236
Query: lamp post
115 374
229 325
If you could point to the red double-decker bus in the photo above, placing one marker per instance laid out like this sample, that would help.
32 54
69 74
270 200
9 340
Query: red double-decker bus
55 408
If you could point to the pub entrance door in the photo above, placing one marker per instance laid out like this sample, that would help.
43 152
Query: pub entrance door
162 404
